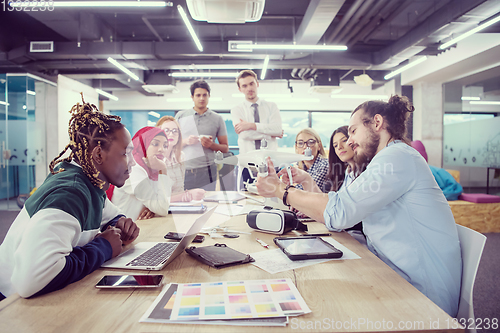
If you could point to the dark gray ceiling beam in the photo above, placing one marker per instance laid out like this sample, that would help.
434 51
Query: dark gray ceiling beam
380 9
449 12
315 60
400 7
159 55
318 17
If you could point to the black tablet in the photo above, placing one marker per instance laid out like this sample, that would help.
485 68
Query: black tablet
300 248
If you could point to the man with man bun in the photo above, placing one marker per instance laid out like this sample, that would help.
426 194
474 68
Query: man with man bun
406 219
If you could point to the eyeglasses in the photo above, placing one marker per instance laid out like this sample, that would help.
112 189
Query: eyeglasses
309 143
174 131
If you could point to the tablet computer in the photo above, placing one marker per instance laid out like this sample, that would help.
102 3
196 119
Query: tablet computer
300 248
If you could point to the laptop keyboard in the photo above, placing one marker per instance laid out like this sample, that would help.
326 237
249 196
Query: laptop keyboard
155 255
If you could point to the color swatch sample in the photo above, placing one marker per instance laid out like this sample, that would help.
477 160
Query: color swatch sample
237 300
236 289
215 310
191 291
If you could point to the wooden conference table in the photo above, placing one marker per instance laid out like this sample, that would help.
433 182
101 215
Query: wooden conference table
344 295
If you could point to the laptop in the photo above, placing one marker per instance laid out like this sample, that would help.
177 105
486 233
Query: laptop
156 255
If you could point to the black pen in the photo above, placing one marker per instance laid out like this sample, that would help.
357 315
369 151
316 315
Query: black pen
317 235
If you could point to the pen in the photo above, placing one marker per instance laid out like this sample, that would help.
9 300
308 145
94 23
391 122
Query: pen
262 243
317 234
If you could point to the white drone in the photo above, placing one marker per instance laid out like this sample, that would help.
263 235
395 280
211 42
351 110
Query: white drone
257 159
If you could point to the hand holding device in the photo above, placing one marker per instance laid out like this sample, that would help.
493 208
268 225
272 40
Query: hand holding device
263 170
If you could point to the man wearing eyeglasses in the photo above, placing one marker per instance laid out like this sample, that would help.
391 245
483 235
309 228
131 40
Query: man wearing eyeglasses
255 119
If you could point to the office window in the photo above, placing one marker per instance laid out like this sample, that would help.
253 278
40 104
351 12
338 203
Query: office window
327 122
134 120
450 118
232 137
292 122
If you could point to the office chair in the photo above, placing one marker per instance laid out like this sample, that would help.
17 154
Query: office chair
471 245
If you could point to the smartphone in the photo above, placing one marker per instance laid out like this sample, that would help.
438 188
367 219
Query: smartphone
178 236
130 281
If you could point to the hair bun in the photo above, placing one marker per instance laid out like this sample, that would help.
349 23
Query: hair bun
401 104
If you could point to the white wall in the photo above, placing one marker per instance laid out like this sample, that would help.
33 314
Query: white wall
68 94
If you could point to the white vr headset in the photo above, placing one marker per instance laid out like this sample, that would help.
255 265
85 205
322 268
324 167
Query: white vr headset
274 221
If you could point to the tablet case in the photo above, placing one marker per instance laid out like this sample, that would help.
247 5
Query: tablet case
219 255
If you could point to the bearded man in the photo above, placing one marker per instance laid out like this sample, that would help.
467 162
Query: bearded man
406 219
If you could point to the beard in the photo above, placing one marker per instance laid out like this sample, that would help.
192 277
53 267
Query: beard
362 159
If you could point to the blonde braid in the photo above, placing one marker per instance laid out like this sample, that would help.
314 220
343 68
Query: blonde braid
88 127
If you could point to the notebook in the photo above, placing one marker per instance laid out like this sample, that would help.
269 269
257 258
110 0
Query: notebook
156 255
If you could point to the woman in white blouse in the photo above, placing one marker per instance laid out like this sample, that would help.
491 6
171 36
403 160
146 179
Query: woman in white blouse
174 160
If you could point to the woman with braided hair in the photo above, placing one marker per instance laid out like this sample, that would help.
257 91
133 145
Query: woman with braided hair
68 228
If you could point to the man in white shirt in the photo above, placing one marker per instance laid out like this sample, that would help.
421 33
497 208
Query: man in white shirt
255 119
406 219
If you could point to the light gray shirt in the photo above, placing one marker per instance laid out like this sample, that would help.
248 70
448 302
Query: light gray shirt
191 123
407 222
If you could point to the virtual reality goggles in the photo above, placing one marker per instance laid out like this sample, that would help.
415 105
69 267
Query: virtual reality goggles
274 221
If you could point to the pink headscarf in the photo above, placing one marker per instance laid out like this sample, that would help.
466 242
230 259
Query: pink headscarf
141 140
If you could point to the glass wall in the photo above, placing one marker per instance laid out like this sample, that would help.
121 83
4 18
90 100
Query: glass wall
22 138
293 121
471 136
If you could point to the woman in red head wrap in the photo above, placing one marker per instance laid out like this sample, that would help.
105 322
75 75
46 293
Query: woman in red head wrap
148 190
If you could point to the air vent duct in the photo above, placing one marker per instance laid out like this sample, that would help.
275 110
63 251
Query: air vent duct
325 82
41 46
226 11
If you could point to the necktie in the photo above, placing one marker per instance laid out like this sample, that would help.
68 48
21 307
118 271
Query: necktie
256 118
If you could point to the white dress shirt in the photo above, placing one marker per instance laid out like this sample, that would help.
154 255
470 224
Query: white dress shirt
269 127
407 222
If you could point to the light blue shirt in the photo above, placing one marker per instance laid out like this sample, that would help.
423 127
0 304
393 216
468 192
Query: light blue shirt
407 222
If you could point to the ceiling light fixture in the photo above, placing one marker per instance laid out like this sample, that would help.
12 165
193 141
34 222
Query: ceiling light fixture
204 74
215 66
467 98
485 102
31 92
363 80
154 114
408 66
108 95
4 103
123 69
189 27
290 47
470 32
264 68
53 3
